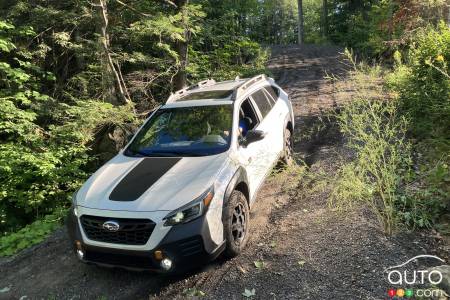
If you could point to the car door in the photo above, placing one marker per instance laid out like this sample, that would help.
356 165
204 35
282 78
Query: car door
270 123
261 155
252 155
277 117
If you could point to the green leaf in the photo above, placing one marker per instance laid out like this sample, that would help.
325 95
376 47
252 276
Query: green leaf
249 293
259 264
194 292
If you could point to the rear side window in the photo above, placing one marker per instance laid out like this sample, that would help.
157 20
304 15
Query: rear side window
262 102
271 100
273 91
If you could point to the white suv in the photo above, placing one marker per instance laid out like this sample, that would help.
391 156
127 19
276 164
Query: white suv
181 190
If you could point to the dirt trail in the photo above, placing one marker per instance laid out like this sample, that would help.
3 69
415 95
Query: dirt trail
340 257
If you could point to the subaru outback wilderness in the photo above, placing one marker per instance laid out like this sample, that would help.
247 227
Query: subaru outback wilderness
180 192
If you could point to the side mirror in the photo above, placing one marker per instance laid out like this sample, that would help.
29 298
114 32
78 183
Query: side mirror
252 136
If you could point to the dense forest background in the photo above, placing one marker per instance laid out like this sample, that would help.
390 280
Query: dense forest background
78 76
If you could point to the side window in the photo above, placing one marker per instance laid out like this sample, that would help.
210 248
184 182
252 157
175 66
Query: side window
271 99
262 102
248 118
273 91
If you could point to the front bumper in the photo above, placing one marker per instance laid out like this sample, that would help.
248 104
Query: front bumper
187 246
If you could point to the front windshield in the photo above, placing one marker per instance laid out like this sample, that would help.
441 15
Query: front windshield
185 131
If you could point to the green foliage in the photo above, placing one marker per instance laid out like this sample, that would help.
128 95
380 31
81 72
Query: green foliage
424 83
193 293
362 26
249 293
259 264
45 145
27 166
376 134
312 14
423 89
242 58
403 180
31 234
379 28
78 124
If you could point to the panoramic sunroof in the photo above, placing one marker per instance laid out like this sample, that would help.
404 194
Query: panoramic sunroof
218 94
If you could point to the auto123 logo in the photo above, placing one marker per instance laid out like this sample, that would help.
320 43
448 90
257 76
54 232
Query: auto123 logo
411 283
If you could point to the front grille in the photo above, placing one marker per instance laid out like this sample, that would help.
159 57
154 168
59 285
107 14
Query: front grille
131 231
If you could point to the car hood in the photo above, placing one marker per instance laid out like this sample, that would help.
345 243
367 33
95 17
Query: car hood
149 183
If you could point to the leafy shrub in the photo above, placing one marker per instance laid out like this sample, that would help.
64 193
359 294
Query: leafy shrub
241 57
423 88
31 234
376 134
401 145
423 84
41 164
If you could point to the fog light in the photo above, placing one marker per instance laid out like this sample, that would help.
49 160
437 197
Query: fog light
158 255
80 253
166 264
78 245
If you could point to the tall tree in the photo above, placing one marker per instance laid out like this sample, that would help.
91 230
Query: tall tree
300 22
111 68
181 47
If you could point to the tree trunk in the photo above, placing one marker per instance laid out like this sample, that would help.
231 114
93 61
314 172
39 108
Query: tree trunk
325 18
300 22
448 13
181 48
112 71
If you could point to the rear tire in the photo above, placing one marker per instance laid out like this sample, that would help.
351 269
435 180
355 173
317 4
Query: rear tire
287 158
236 217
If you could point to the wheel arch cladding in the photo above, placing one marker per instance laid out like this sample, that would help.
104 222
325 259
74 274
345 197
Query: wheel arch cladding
289 126
238 182
243 188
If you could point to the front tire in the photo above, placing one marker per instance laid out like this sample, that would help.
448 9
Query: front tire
236 218
288 148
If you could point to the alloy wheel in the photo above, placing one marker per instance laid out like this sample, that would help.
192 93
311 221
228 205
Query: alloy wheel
288 146
239 224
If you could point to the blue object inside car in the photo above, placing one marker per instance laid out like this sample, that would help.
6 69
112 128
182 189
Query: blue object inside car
243 126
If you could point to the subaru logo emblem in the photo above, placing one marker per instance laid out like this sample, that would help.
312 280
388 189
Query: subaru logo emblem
111 226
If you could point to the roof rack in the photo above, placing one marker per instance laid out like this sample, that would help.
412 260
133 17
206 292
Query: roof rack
246 84
180 93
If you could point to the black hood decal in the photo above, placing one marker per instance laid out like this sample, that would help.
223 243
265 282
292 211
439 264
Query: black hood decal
142 177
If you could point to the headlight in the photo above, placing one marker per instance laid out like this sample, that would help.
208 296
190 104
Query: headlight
191 211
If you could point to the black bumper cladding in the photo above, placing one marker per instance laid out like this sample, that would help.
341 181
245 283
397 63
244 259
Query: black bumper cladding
185 254
188 246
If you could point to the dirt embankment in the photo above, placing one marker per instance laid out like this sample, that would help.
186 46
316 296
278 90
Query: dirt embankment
308 250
